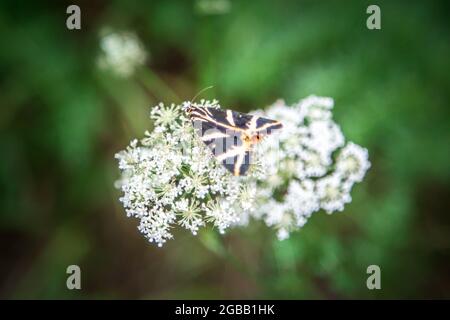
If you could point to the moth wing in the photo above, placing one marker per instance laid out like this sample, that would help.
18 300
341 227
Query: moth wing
239 164
217 129
267 126
233 120
243 121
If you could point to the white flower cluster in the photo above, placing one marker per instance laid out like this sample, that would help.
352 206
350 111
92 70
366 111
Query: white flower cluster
171 178
122 53
309 167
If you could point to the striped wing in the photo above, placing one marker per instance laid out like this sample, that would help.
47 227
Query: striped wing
226 133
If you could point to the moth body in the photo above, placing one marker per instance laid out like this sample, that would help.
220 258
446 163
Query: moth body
231 135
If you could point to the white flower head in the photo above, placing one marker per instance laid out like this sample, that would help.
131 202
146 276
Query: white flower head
170 178
190 213
353 162
305 177
333 193
122 53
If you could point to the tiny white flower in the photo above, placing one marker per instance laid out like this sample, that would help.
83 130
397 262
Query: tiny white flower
190 213
353 162
301 198
221 214
247 197
333 193
282 234
166 117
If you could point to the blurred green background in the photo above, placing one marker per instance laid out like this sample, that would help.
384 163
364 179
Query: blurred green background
62 120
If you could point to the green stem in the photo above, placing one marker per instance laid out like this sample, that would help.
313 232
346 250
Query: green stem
154 83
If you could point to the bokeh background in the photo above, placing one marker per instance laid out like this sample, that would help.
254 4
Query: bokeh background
62 119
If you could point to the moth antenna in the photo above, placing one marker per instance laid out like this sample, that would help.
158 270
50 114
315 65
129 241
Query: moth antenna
201 91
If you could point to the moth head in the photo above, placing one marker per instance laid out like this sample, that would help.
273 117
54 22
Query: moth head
189 109
257 137
252 138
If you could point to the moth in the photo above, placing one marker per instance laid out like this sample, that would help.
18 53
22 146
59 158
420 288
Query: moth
231 135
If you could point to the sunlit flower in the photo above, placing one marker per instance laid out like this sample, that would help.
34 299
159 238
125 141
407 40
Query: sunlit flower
333 193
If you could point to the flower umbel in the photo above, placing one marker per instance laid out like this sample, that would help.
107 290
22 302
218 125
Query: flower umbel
170 178
304 177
